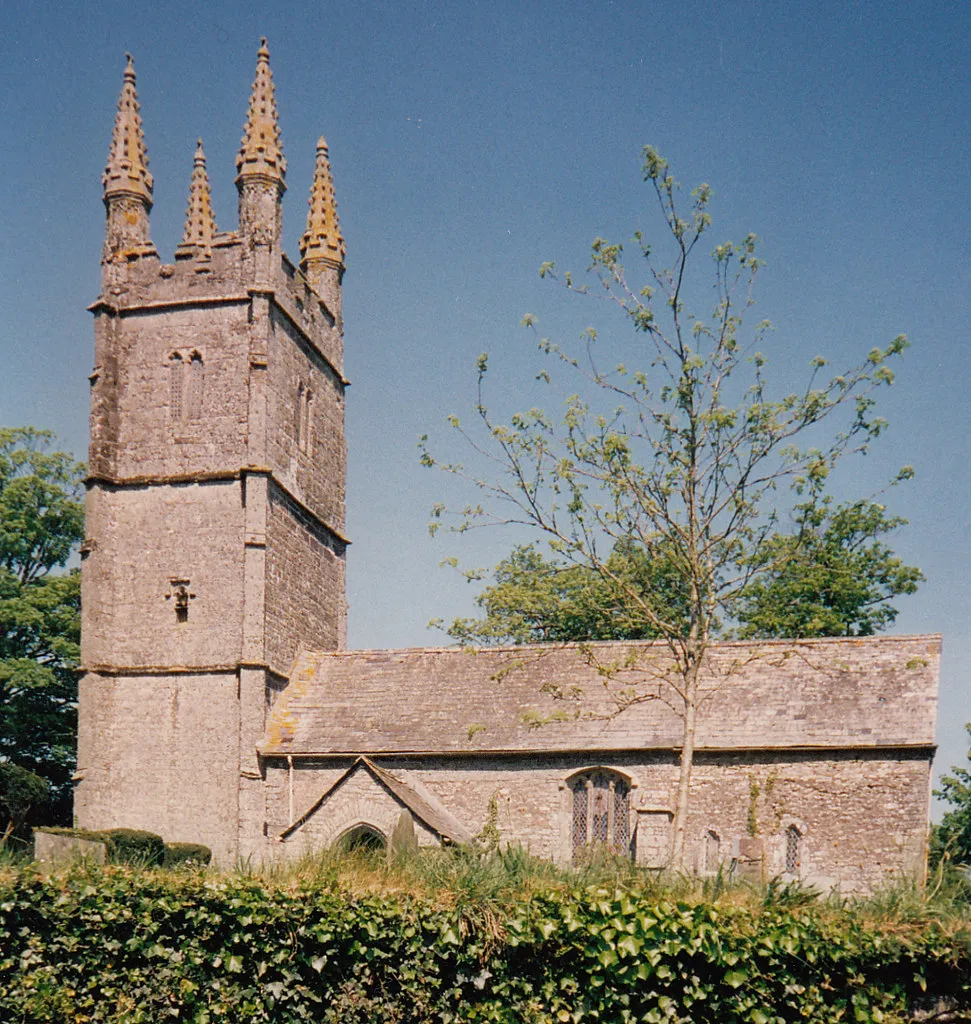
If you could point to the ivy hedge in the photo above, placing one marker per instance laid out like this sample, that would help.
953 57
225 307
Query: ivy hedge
147 946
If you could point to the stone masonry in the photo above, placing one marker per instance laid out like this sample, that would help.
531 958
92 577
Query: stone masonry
215 507
831 737
218 704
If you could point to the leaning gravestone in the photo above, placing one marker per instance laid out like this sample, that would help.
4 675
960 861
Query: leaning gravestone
403 838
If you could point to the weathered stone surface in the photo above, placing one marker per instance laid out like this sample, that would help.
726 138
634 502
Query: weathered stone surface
215 503
862 813
877 691
53 852
403 838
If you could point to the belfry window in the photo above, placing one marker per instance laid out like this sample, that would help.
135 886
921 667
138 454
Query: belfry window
303 420
175 387
601 812
298 416
793 844
194 389
307 432
185 387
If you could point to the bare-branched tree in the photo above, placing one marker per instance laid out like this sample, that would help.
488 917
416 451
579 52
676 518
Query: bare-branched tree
687 457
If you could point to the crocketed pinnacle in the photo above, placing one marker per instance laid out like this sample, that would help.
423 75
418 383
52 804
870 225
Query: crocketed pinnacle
200 225
261 152
322 240
127 167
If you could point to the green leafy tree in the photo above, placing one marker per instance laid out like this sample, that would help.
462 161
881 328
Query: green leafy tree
534 599
952 837
833 576
687 455
41 524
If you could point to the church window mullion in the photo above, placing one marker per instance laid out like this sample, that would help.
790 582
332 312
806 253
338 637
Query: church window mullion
610 813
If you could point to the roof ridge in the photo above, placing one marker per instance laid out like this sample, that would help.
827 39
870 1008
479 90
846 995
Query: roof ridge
820 641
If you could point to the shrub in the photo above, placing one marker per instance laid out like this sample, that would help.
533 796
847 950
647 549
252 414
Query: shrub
177 854
118 946
21 791
133 846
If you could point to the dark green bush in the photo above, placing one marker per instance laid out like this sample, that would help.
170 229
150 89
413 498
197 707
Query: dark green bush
177 854
134 846
22 795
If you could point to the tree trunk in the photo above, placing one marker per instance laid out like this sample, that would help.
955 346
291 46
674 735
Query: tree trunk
686 764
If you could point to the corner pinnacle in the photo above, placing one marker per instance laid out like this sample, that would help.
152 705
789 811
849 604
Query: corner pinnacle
261 152
127 168
322 240
200 225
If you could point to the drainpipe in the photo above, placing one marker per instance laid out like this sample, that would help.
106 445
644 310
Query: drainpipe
290 787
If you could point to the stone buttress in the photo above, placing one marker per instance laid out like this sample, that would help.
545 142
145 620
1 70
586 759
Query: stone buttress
215 509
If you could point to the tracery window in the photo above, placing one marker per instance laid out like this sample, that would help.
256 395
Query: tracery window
793 844
601 811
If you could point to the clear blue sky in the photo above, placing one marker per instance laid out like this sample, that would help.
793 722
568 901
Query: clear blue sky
472 141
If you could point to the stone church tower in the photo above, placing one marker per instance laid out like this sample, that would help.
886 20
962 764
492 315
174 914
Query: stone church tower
215 506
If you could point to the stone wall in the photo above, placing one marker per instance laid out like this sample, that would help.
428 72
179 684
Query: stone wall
213 544
307 457
58 852
142 539
358 800
161 428
305 603
159 752
313 313
861 815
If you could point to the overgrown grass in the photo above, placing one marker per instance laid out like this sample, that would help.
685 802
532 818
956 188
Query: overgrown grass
457 877
483 886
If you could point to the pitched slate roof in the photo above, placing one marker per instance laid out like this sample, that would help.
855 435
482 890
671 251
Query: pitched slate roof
833 693
425 807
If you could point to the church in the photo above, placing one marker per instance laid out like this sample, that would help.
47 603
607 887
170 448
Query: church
219 703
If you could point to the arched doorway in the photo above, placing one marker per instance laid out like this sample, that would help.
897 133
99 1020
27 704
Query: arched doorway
362 839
